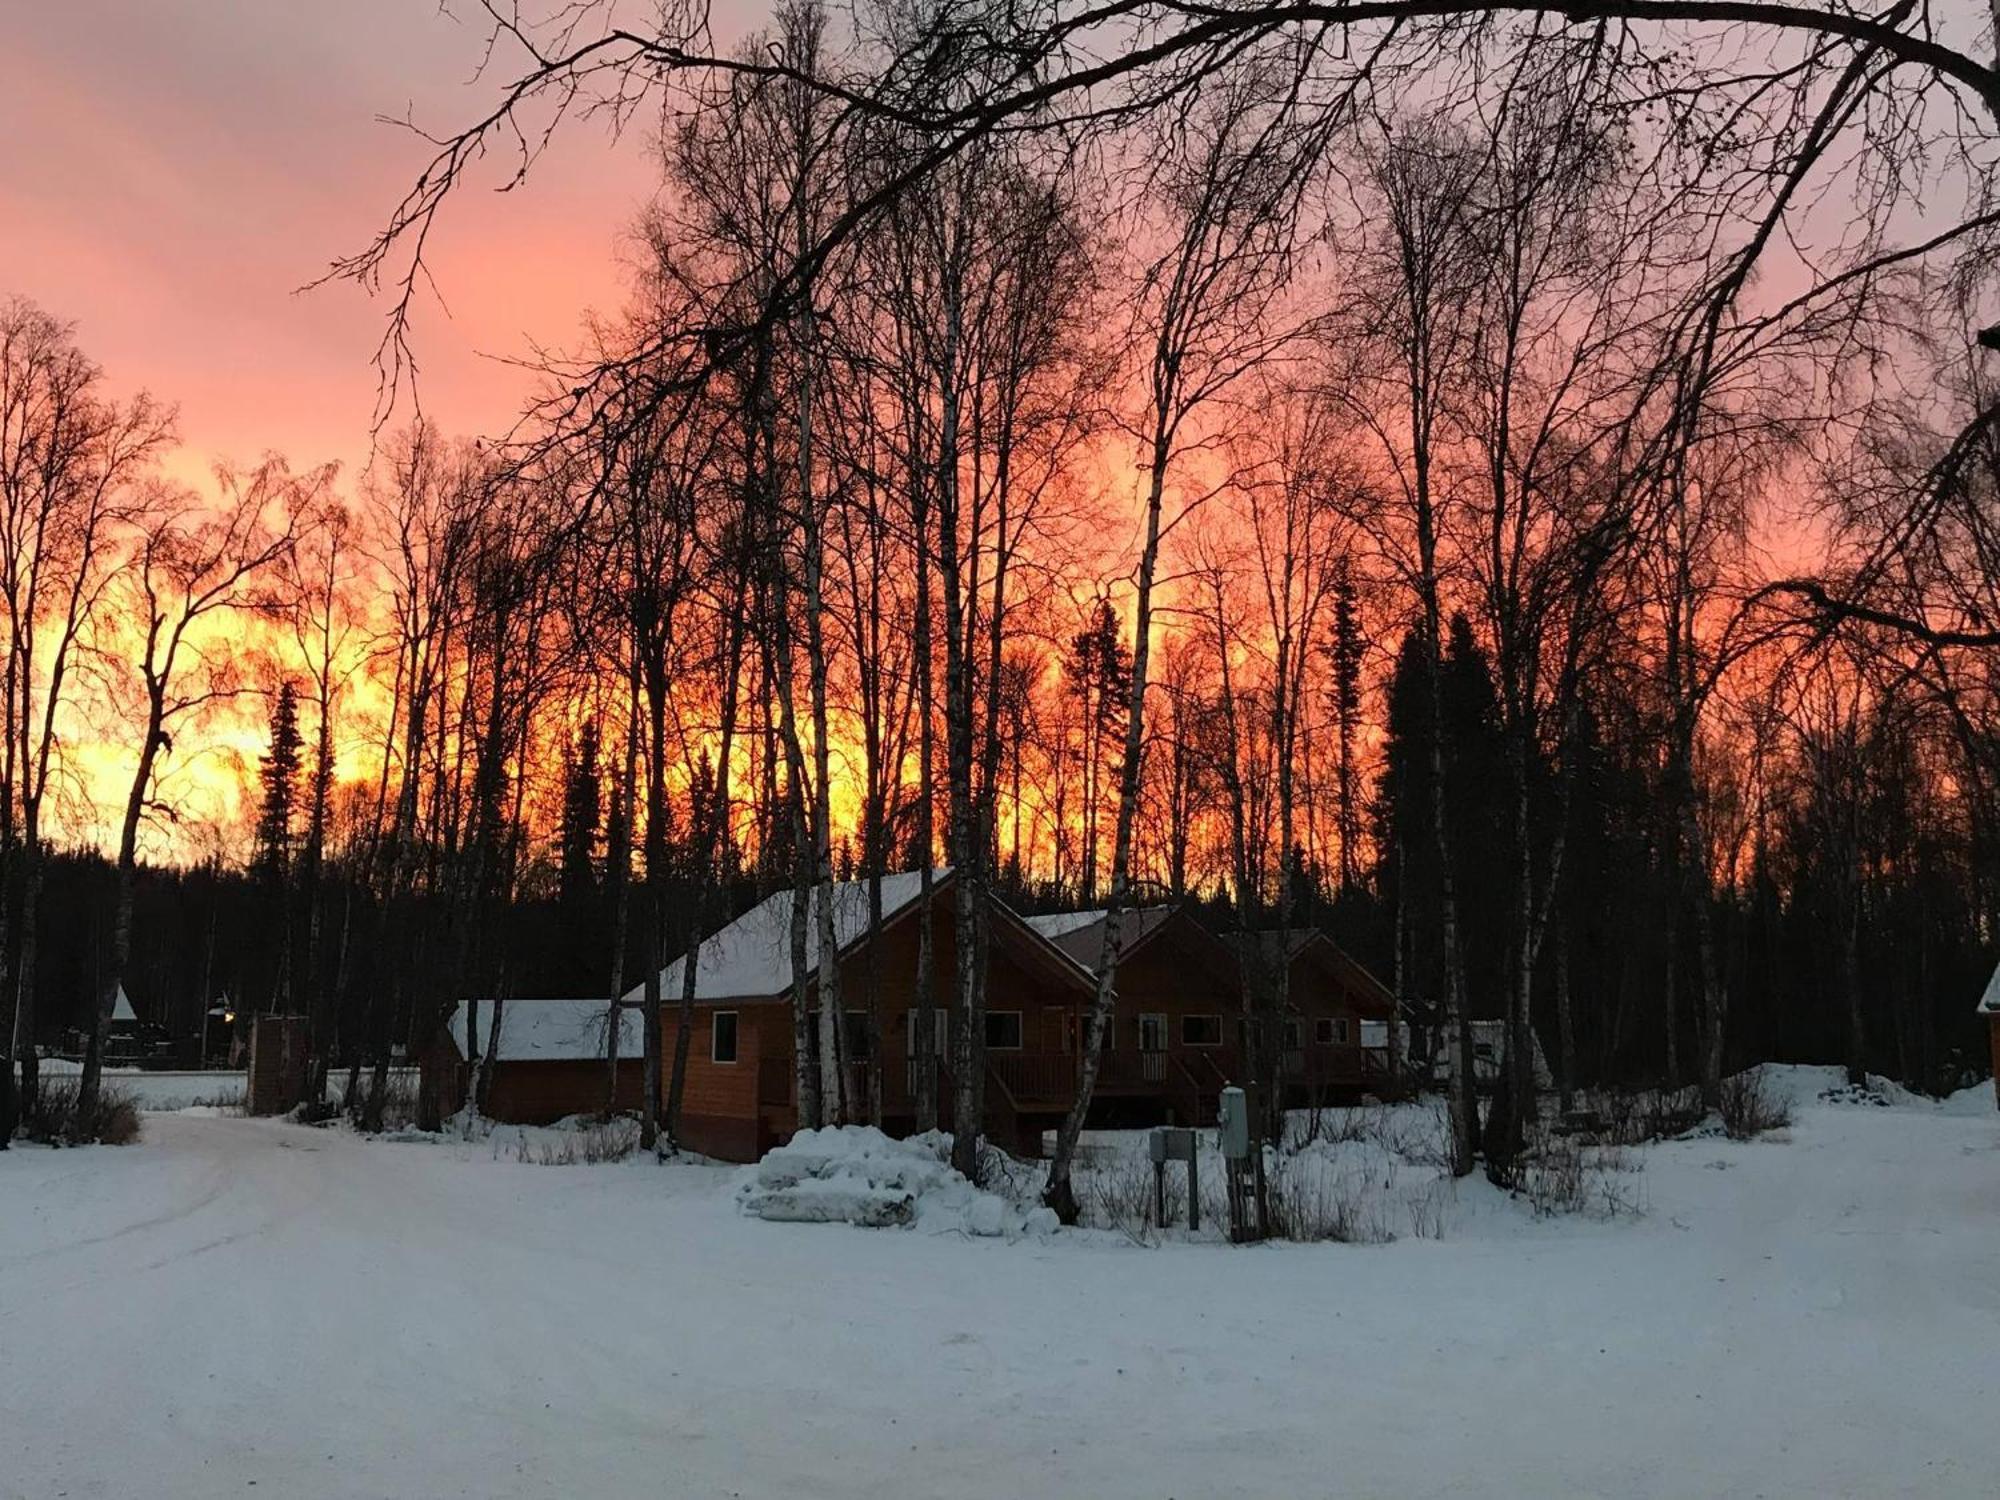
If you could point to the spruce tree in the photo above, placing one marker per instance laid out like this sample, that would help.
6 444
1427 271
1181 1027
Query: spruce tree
278 776
583 809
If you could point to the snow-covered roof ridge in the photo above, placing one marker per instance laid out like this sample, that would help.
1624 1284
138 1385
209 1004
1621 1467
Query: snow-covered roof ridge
1080 934
751 958
1055 924
552 1030
1989 1003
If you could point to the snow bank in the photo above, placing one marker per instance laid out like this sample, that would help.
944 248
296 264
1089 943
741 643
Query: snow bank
1801 1085
857 1175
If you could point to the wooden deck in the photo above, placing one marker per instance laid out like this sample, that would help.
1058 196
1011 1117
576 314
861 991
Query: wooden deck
1183 1084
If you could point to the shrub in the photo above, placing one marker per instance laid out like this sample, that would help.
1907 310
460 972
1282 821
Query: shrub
117 1121
1632 1117
398 1103
1119 1194
1559 1175
56 1119
1428 1209
1309 1202
599 1142
1749 1108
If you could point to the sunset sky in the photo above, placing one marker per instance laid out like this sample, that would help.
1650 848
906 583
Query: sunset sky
175 170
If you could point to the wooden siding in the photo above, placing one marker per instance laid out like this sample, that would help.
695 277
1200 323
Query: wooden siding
538 1093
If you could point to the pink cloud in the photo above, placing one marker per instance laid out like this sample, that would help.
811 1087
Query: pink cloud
176 170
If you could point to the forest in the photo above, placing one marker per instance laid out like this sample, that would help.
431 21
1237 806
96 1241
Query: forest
1515 489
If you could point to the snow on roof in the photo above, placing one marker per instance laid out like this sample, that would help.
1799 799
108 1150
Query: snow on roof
1057 924
1989 1003
552 1030
121 1006
751 958
1080 934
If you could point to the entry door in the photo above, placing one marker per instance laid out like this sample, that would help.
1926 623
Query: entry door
1058 1029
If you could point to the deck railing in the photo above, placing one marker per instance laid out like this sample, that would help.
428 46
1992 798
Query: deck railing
1186 1076
1035 1077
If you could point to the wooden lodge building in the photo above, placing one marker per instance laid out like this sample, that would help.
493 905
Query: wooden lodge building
1175 1040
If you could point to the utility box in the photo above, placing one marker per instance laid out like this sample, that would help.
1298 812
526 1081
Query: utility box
1242 1168
1170 1143
1233 1123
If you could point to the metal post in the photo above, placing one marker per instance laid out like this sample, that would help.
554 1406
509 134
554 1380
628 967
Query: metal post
1194 1194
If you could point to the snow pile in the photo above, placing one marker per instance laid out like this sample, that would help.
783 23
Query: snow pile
857 1175
1804 1084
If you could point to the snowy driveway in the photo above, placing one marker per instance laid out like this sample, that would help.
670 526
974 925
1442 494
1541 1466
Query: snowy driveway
244 1307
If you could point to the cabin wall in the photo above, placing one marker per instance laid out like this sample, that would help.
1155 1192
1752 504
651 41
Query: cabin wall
538 1093
1164 979
720 1116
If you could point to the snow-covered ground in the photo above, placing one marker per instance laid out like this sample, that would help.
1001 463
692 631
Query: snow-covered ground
237 1302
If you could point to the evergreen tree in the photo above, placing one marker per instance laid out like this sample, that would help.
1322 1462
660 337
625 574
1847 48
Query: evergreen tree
1344 652
1100 673
583 811
278 775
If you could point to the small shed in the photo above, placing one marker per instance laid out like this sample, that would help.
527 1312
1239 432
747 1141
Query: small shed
1989 1007
549 1058
275 1080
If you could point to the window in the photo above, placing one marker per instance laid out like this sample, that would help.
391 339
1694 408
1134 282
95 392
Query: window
722 1037
1003 1030
1201 1031
856 1040
1153 1032
940 1033
1332 1031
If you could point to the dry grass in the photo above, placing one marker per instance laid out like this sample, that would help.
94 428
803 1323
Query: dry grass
1633 1117
1558 1175
55 1120
1309 1204
593 1145
399 1100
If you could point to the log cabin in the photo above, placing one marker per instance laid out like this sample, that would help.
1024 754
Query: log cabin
1180 1033
742 1088
550 1059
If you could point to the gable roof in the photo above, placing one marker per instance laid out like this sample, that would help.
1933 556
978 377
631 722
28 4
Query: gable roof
552 1030
1315 944
1989 1003
751 958
1080 934
121 1006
